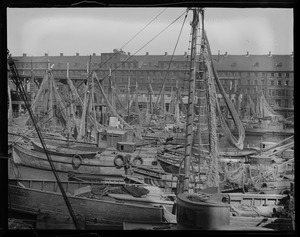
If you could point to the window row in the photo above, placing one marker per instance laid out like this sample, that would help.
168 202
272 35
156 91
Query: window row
274 92
254 74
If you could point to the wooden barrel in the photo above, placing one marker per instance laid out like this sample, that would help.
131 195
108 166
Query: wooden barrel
201 215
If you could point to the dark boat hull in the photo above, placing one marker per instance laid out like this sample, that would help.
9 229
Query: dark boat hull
41 198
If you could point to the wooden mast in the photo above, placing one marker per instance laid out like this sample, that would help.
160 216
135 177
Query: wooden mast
128 98
190 115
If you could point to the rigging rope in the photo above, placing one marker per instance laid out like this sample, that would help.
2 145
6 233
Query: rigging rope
239 143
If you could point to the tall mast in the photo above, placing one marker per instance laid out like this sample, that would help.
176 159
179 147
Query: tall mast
190 115
128 97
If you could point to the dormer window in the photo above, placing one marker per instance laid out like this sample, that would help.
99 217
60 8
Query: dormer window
256 64
278 64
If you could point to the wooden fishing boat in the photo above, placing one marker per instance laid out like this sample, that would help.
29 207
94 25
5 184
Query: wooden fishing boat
248 212
36 196
113 163
67 150
99 165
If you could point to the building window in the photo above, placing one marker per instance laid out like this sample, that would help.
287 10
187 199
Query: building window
279 83
256 74
248 73
272 74
278 103
248 90
248 82
279 92
262 82
287 75
255 82
270 92
273 92
272 83
286 103
279 74
263 74
286 83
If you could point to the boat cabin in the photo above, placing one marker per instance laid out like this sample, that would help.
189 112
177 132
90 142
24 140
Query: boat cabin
113 136
126 146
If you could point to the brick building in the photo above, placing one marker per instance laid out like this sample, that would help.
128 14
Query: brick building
239 74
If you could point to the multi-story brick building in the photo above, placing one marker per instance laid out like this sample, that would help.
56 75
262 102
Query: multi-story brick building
239 74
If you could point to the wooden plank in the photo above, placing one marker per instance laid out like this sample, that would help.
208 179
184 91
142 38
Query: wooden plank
46 221
83 190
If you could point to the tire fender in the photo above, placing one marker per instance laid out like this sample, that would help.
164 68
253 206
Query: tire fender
76 161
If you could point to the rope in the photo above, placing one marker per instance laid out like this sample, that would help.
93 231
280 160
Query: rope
241 131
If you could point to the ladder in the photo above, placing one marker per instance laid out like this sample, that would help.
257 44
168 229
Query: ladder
201 141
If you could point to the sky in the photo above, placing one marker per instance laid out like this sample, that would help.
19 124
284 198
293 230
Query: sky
36 31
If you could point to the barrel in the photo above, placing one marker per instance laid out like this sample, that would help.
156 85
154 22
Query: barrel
201 215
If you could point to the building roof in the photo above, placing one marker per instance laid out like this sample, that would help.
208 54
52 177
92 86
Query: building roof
147 61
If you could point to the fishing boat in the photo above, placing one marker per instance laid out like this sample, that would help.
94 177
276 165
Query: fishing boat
110 162
37 196
203 206
67 150
260 118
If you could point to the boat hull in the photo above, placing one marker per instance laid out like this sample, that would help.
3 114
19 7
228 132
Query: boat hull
99 165
41 200
62 151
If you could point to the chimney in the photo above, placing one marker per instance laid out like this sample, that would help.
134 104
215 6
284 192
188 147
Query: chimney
128 53
147 53
270 54
24 55
247 55
77 54
61 54
46 54
94 54
166 53
225 54
185 53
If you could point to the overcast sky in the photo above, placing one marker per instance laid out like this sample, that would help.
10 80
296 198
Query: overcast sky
36 31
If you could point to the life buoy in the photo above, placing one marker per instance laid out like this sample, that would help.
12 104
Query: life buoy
119 161
76 161
138 160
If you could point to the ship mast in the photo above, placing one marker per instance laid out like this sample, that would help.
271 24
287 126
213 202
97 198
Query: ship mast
190 114
202 87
